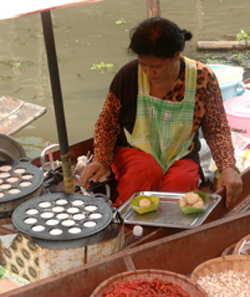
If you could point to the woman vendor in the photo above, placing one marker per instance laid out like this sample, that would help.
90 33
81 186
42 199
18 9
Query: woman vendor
147 132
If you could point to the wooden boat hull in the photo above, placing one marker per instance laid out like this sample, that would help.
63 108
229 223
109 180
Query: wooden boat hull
83 147
180 253
160 248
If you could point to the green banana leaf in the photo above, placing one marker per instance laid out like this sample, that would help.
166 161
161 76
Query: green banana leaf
190 210
141 210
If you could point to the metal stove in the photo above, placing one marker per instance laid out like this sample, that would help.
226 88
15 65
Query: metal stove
62 220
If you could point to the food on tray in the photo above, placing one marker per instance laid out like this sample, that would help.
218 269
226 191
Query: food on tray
193 202
143 204
228 283
191 199
143 287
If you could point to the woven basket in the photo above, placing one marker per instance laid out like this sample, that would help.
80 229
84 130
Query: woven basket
238 263
228 251
185 283
239 243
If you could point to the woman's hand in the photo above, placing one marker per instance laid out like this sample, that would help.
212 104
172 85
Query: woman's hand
231 180
94 170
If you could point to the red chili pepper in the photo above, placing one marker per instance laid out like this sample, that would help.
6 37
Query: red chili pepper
144 288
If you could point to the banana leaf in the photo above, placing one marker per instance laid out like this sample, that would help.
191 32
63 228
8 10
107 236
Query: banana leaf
135 204
191 210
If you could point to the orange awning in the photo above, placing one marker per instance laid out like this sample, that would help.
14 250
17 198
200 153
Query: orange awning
17 8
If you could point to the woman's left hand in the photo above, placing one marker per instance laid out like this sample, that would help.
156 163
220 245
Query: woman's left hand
231 180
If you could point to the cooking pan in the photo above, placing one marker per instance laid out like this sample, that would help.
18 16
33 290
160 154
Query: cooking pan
61 220
19 181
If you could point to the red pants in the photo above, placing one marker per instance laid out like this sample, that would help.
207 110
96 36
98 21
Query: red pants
136 171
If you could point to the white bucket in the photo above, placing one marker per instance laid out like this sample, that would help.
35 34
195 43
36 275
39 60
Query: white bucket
230 80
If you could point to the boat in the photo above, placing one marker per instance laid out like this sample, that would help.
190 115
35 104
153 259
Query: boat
170 249
152 233
180 253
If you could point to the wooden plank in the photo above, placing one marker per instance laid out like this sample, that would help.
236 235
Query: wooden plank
15 114
221 45
181 253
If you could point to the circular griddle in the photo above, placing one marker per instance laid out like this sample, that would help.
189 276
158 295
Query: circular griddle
18 179
62 216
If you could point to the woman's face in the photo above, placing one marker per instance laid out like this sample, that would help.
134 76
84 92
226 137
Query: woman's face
159 69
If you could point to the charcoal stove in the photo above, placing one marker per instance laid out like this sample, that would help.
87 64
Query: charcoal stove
62 220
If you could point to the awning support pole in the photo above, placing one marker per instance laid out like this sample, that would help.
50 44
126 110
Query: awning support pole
57 99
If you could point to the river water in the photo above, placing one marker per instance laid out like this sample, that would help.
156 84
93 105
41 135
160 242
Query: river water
92 34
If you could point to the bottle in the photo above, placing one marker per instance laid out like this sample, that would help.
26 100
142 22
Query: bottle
137 232
135 235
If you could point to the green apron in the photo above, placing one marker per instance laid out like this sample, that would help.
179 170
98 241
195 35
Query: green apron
164 128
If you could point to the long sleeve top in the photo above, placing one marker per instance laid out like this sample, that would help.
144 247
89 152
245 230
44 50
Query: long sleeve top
119 111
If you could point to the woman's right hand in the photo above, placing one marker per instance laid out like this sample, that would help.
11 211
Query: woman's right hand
93 171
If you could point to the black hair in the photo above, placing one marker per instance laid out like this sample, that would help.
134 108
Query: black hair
158 37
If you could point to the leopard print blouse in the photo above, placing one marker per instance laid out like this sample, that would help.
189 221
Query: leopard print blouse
119 111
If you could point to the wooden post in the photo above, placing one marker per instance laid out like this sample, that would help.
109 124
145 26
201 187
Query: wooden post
219 45
153 8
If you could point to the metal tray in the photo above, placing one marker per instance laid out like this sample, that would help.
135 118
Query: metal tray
168 214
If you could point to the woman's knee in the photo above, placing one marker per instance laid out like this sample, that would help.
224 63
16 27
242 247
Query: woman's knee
183 176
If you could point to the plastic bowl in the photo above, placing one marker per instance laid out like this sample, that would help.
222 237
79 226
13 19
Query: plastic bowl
230 80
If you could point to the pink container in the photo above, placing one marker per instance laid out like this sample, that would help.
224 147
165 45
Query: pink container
238 113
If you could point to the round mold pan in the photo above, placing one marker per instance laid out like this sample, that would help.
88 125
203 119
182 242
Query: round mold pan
40 216
107 234
19 173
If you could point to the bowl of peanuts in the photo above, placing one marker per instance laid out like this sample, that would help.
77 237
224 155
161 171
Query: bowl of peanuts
227 276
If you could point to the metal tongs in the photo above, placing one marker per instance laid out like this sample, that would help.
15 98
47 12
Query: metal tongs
106 196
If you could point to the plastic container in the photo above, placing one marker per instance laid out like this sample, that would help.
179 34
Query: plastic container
230 80
238 114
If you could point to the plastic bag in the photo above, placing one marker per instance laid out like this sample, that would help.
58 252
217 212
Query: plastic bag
241 154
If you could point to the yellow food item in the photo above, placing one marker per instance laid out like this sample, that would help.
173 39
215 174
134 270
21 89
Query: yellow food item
191 199
199 204
144 202
183 202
